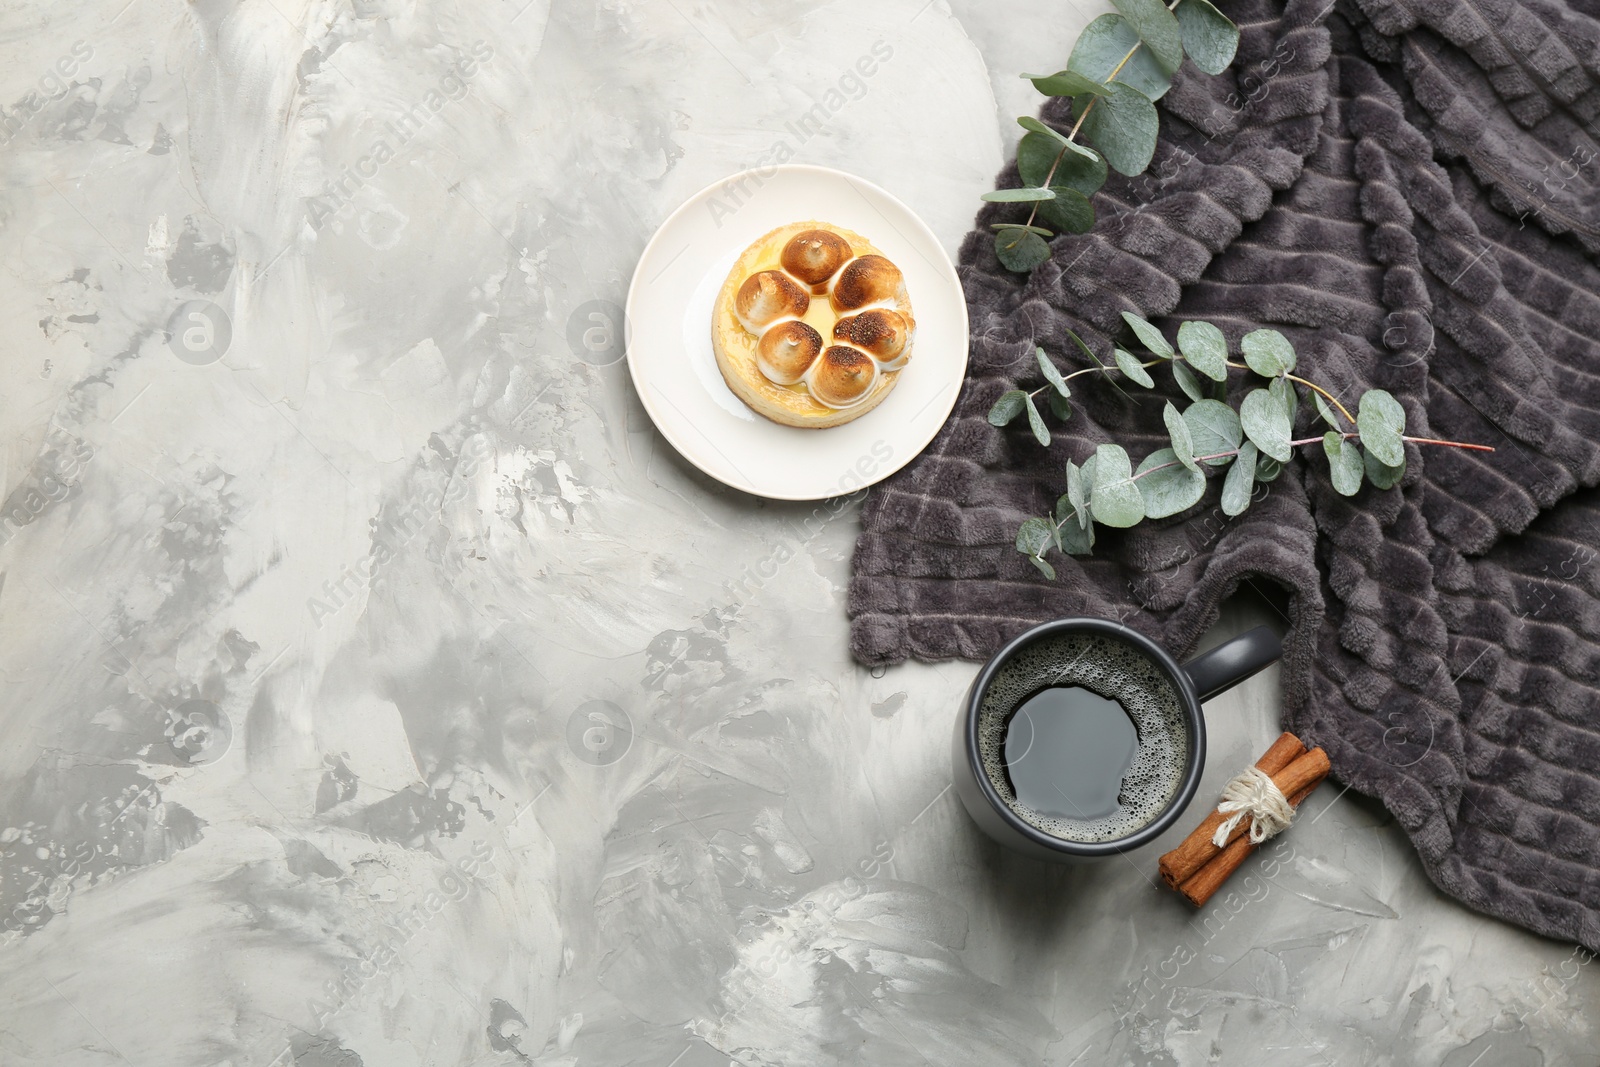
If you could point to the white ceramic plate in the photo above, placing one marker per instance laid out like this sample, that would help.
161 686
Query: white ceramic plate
675 370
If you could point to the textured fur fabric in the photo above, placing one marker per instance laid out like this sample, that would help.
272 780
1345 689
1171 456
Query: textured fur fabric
1407 188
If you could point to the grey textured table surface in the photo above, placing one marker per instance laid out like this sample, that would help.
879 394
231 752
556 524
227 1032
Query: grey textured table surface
379 688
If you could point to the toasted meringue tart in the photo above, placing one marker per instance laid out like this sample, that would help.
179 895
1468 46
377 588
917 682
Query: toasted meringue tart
813 326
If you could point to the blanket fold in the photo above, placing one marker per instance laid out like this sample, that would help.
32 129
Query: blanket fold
1407 189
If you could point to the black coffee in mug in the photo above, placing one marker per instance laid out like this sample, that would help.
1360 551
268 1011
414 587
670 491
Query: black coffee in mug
1083 736
1066 751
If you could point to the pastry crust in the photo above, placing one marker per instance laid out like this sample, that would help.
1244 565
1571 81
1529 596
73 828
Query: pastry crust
736 347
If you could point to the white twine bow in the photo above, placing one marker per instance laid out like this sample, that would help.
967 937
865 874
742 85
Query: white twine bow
1252 792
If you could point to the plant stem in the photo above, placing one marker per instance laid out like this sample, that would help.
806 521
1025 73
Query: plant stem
1309 385
1317 388
1076 126
1292 444
1089 370
1051 173
1447 444
1233 364
1414 440
1314 440
1293 378
1174 463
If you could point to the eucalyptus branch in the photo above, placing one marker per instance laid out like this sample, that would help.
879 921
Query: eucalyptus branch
1121 64
1234 452
1072 135
1253 441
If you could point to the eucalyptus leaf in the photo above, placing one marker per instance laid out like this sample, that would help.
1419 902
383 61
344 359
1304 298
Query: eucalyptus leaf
1381 421
1157 28
1036 536
1075 492
1129 365
1209 37
1041 432
1268 469
1085 349
1325 410
1103 44
1026 194
1266 423
1178 430
1087 475
1060 406
1033 125
1078 540
1344 463
1074 530
1083 173
1044 566
1148 335
1020 250
1106 367
1167 486
1284 390
1240 483
1066 83
1204 347
1123 126
1036 155
1186 380
1381 476
1008 407
1213 427
1115 500
1068 210
1051 373
1267 352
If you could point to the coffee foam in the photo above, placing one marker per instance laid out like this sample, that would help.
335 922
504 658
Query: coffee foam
1117 671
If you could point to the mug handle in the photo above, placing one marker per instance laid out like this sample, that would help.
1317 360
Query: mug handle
1233 661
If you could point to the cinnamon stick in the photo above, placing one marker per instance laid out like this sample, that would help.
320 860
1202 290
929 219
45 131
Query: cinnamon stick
1196 849
1303 771
1204 883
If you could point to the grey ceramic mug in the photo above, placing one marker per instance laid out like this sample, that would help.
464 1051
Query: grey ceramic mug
1196 681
